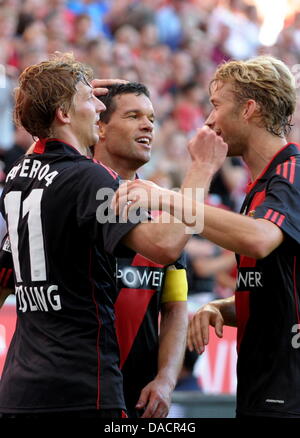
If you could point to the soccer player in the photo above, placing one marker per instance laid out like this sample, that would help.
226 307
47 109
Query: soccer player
253 102
64 358
150 363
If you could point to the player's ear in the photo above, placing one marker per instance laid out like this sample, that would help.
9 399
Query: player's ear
250 109
62 116
102 130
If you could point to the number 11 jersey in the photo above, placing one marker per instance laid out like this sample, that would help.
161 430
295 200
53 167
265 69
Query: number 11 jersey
64 353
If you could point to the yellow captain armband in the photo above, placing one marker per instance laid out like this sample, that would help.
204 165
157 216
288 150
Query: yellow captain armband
175 286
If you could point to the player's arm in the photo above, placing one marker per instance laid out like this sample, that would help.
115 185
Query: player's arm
150 240
155 398
6 271
245 235
251 237
217 314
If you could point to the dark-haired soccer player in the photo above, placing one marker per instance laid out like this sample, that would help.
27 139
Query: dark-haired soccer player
150 362
253 102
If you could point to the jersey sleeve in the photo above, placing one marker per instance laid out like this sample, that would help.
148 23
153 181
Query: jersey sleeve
181 262
6 265
282 202
96 189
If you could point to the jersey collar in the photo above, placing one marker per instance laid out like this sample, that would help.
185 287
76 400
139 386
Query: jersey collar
44 145
282 155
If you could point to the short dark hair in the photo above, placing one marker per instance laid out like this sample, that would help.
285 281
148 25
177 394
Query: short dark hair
117 89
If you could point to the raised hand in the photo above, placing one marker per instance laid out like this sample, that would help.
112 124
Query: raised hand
100 85
208 148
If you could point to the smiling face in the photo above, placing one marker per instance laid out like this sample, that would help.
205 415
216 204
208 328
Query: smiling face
226 117
84 115
127 136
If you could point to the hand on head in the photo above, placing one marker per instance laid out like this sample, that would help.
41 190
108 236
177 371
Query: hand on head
100 85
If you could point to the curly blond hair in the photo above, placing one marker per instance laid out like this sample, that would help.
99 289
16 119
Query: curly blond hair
45 87
269 82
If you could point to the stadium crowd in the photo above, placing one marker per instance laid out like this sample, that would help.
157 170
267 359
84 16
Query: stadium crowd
173 47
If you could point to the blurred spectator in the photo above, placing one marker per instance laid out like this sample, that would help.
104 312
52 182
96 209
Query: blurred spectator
220 52
229 183
6 107
242 23
22 141
188 113
132 12
81 32
183 70
96 11
98 54
169 24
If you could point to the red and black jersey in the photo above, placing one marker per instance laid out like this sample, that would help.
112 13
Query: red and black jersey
140 283
267 297
64 353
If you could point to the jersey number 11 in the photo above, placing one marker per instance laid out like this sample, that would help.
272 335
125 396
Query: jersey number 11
32 206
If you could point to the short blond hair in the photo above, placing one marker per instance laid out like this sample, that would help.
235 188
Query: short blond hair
269 82
45 87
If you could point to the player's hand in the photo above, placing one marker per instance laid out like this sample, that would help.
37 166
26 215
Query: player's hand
198 331
99 85
138 194
208 148
155 399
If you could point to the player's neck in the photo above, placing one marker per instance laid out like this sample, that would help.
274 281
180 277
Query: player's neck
81 149
121 166
71 139
124 171
261 150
